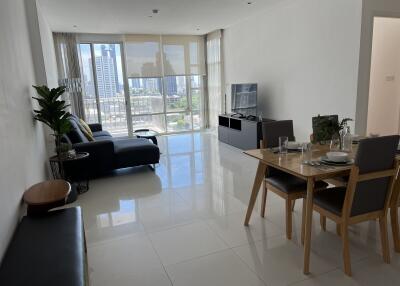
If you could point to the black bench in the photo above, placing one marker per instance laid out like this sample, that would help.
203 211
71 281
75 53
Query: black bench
47 250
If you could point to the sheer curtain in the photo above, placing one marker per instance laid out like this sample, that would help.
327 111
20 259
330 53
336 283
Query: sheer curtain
69 73
166 75
214 76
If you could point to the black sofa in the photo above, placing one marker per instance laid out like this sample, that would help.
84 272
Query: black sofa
108 153
47 250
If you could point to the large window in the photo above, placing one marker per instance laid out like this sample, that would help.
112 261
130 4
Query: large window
104 99
150 82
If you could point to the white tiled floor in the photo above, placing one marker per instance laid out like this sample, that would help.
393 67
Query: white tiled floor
183 225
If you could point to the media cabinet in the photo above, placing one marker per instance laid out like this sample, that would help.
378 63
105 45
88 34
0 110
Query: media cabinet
240 132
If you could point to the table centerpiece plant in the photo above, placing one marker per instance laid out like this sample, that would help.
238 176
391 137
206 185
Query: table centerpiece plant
329 130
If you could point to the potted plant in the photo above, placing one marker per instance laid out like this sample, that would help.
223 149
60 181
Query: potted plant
328 129
53 112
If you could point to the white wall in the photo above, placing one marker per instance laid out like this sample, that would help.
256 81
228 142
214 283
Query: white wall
304 56
384 91
371 9
48 60
49 55
22 150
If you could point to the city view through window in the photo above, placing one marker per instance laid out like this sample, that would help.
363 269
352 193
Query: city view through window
164 104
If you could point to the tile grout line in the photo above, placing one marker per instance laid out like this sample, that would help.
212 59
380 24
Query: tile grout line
159 258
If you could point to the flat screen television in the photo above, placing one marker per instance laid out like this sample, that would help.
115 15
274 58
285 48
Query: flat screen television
244 98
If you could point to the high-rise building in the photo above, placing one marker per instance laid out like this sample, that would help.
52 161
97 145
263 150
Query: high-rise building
181 85
135 83
152 85
171 88
105 75
110 52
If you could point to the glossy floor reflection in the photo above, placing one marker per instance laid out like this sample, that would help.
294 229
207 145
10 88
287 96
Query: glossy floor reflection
183 225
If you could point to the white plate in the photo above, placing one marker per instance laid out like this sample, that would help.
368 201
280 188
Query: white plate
294 149
326 161
337 156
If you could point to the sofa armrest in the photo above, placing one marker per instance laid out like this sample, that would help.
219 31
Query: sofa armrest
95 127
94 148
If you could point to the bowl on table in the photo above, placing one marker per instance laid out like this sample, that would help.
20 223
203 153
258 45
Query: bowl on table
291 145
338 157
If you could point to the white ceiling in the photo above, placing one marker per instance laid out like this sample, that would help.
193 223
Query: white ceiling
132 16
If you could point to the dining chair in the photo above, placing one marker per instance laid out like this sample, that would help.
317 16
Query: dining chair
367 195
394 215
286 186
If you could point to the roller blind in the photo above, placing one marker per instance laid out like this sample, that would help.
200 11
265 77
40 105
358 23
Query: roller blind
143 56
183 55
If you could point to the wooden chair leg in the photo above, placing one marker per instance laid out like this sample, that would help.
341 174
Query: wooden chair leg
263 199
346 249
338 229
303 221
384 239
394 220
322 220
288 211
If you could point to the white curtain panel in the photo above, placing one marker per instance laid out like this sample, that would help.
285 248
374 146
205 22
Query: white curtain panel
183 55
157 56
143 56
214 76
69 73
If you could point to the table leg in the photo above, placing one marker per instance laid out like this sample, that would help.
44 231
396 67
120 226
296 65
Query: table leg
260 175
308 226
155 140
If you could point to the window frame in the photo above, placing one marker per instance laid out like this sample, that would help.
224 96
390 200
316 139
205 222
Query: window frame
129 111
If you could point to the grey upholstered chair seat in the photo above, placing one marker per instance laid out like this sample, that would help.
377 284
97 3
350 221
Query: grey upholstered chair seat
331 199
291 184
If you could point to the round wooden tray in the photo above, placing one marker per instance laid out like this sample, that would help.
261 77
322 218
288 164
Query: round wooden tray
47 192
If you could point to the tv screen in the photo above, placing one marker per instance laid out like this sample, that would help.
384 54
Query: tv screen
244 99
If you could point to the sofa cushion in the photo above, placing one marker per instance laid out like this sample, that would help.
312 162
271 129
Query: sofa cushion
102 133
134 152
75 135
86 130
47 250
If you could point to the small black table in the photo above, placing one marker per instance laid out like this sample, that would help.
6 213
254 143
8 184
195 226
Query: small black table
67 171
148 134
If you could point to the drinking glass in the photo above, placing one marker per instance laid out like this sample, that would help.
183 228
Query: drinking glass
283 144
306 153
335 143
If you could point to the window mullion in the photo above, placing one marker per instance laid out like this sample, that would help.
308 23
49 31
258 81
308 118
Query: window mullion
96 88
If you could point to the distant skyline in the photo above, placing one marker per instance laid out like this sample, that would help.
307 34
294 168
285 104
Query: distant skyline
87 59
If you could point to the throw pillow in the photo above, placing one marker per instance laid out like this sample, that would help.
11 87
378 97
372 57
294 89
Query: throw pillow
86 130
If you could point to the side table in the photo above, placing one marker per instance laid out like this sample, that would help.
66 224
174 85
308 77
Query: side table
46 195
67 172
148 134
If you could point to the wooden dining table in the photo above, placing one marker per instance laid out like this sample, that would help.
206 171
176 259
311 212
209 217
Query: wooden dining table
292 163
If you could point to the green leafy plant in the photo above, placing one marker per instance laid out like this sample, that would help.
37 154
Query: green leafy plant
326 128
53 112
